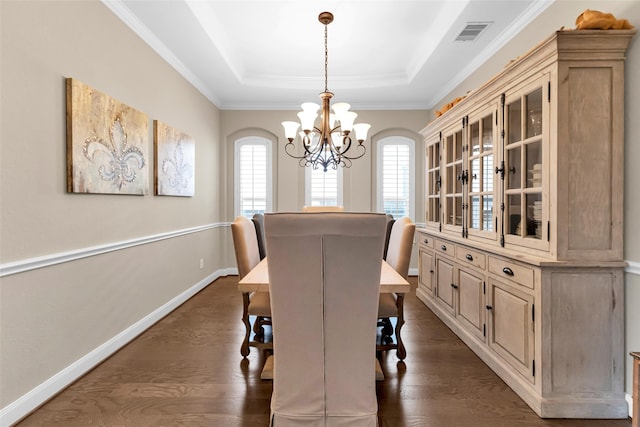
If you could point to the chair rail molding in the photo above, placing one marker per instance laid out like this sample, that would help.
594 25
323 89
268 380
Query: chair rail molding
28 264
633 268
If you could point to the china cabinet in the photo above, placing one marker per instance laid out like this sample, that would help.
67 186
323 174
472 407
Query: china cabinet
522 250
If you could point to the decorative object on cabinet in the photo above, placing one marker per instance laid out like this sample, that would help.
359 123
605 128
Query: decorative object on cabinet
596 20
107 143
449 105
522 250
175 157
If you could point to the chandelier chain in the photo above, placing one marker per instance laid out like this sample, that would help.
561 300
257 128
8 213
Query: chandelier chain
326 59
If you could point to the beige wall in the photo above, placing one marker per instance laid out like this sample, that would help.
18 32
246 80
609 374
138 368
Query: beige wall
562 13
52 316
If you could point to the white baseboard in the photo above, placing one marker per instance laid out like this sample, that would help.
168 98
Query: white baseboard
629 400
40 394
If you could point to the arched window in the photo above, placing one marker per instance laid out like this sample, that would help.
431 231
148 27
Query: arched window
396 176
252 176
323 188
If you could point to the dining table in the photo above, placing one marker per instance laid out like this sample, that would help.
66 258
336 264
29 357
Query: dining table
257 280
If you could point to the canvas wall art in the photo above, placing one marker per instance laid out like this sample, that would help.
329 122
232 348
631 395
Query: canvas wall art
107 144
175 156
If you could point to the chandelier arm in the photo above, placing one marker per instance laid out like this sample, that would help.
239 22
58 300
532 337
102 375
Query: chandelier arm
288 146
346 144
359 147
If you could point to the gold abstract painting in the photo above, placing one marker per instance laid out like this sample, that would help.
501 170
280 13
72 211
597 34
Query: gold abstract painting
107 144
175 156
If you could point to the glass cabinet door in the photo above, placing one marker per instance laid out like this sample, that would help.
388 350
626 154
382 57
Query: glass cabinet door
453 179
480 167
523 156
433 181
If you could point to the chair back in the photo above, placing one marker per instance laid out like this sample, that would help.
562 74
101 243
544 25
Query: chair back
323 209
390 222
400 245
324 276
245 244
258 222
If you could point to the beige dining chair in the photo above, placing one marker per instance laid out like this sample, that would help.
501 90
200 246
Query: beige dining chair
323 209
256 304
392 305
390 222
324 277
258 222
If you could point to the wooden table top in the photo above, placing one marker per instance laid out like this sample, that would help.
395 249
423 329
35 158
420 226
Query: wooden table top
635 354
257 280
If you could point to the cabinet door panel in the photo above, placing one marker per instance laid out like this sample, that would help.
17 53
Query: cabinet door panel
426 272
480 172
471 304
511 326
444 291
526 172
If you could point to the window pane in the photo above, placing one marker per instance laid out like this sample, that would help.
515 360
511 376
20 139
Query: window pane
396 179
252 175
324 187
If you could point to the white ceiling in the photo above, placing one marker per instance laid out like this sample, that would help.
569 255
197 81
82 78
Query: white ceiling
383 54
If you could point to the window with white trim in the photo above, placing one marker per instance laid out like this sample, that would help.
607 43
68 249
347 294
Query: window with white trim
323 188
252 176
396 176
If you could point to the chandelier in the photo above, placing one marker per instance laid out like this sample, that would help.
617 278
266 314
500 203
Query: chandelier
328 145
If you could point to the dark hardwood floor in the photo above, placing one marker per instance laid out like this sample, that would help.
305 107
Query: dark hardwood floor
187 371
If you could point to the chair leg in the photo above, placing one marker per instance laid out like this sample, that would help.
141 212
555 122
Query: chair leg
401 352
257 326
244 349
387 328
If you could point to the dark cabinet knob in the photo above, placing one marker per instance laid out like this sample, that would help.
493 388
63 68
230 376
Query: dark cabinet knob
469 257
443 247
454 286
426 241
507 271
489 307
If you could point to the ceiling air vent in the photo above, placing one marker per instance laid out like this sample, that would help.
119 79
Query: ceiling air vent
472 31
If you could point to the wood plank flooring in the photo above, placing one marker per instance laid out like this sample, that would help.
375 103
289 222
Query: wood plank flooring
187 371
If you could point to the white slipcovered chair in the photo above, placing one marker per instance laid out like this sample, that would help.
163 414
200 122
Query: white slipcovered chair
324 277
392 305
257 304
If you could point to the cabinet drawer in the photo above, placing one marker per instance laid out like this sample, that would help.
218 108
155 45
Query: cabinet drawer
471 257
425 240
445 247
512 271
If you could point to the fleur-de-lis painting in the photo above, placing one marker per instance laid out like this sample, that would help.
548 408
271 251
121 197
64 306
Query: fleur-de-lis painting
107 144
174 161
118 162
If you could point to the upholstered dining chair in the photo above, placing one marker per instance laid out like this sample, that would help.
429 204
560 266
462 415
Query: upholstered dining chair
245 243
390 222
392 305
324 273
258 222
323 209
